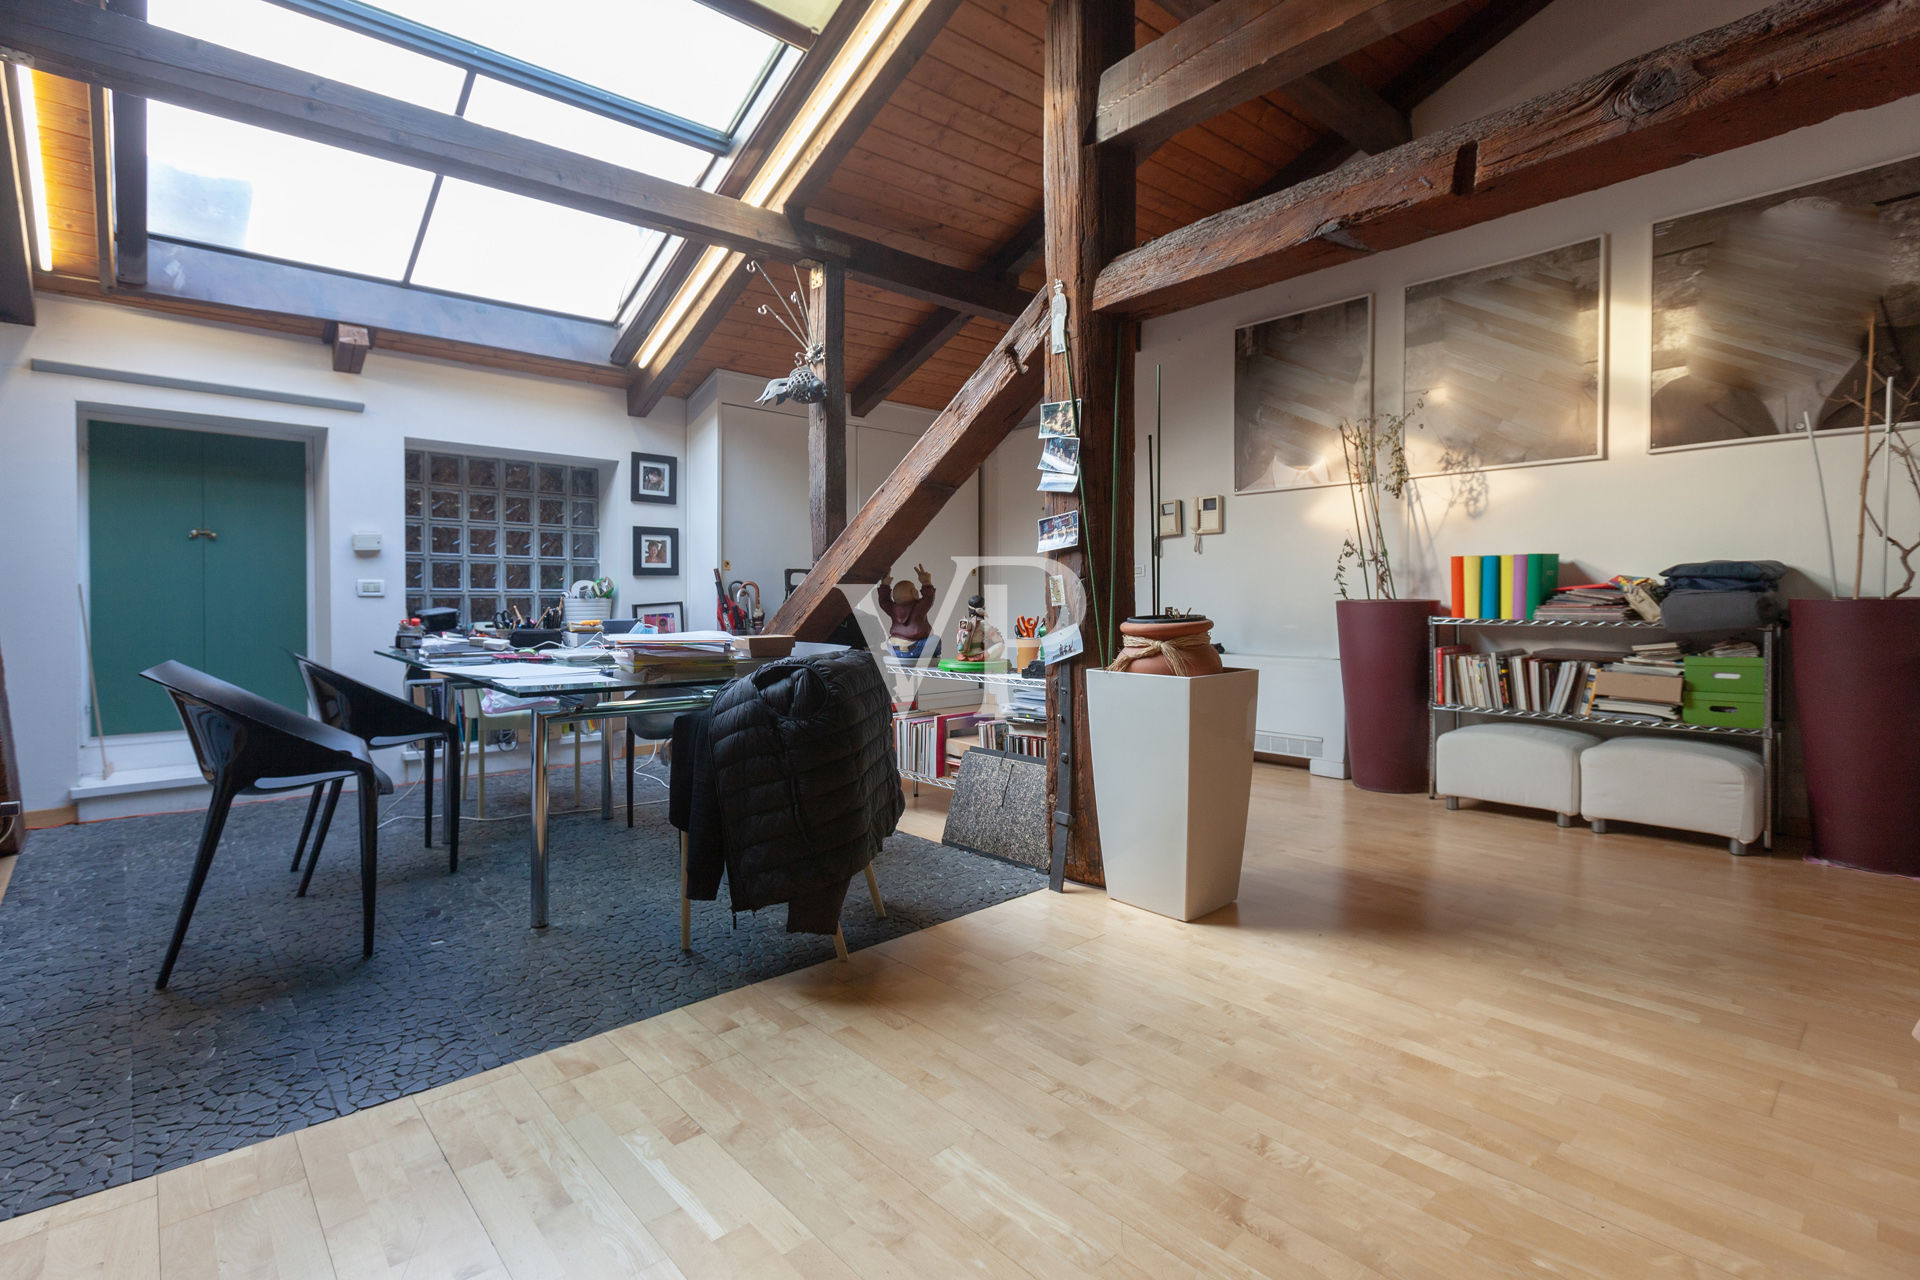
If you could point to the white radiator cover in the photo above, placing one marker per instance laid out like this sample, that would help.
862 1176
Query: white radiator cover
1301 711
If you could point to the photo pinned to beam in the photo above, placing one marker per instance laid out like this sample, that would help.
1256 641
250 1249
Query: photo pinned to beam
1058 418
1057 482
1061 455
1058 532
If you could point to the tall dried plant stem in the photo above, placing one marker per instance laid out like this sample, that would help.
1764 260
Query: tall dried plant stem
1866 458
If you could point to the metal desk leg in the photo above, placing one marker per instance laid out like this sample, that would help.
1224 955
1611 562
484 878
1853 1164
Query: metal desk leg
537 785
606 770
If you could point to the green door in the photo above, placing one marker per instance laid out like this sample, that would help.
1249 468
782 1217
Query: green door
198 552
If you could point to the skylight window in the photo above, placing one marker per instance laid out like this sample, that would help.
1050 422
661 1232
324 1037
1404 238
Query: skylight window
658 86
676 55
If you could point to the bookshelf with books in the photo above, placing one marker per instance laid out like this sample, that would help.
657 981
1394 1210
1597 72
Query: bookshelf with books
928 741
1610 674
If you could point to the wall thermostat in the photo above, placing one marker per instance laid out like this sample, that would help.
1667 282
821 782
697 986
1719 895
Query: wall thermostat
366 543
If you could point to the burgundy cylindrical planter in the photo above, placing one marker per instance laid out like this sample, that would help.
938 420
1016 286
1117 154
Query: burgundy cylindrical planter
1383 673
1856 680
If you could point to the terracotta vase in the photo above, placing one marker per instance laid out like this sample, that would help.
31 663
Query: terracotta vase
1201 660
1383 675
1856 679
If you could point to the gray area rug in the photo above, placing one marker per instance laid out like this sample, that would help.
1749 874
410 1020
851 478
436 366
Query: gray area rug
273 1022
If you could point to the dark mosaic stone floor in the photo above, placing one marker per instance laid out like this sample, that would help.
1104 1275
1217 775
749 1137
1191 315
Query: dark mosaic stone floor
273 1021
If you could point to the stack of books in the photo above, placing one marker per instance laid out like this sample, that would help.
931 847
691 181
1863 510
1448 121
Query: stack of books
1550 682
1016 739
1593 602
1027 703
684 655
1649 690
921 738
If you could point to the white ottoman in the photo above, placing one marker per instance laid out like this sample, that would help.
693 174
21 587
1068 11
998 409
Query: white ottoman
1670 782
1533 765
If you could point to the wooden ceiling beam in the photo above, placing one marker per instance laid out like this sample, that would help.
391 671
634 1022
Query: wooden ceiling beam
1233 51
1332 95
994 400
16 244
1008 263
129 173
1785 67
1460 49
350 343
131 56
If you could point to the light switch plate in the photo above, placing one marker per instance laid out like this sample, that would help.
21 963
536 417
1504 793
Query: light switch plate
370 587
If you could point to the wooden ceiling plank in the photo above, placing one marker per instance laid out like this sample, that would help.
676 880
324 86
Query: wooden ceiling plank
1785 67
1233 51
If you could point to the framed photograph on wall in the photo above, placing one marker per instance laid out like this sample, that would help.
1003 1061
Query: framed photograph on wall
656 478
668 617
1295 380
656 552
1508 363
1760 311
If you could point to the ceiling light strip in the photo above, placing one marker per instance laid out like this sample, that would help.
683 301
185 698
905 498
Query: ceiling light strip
36 166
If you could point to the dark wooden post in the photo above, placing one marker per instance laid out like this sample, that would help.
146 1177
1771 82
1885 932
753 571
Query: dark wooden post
827 421
1089 220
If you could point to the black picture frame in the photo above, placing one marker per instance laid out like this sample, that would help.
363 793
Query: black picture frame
643 538
678 608
661 474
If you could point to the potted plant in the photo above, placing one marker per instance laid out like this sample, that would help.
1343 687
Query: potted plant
1856 674
1383 639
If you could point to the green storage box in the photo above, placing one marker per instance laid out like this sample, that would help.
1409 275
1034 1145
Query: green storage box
1716 676
1726 710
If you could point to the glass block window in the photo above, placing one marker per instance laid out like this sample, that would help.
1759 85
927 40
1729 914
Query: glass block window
492 534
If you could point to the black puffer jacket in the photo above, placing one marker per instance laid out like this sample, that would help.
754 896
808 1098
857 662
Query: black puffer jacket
789 783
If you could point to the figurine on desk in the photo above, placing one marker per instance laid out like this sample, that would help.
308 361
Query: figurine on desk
908 608
978 644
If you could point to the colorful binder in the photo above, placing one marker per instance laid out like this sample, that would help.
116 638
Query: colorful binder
1471 607
1489 587
1546 577
1505 606
1522 588
1457 601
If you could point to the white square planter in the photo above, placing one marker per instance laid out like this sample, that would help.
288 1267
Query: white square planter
1172 773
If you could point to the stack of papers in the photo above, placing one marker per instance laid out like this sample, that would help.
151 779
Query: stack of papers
685 655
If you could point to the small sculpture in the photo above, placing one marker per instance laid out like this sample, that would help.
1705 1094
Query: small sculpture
802 386
978 640
909 608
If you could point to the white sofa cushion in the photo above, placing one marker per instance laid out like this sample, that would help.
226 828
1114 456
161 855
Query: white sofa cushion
1534 765
1671 782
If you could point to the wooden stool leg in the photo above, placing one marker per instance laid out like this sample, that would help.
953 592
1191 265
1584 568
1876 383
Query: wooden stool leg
576 764
686 908
840 944
873 887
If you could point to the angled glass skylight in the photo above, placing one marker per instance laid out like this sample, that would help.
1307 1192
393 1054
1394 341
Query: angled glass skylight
676 55
659 86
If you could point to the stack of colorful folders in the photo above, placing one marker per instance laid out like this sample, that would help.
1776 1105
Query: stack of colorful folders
1503 586
687 655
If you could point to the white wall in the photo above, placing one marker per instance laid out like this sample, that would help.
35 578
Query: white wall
357 481
1268 580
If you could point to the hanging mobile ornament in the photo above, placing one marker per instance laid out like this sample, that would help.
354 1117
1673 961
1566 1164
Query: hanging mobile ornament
803 385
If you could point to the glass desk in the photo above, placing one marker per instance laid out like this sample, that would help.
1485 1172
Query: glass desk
583 691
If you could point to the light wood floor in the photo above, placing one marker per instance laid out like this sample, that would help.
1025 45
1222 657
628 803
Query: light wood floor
1424 1044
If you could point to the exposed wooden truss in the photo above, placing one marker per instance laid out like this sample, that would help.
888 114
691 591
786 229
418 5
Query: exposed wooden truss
1090 193
887 67
126 54
994 400
1785 67
1233 51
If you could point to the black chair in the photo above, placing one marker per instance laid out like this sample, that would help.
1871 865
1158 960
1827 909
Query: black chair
379 719
247 745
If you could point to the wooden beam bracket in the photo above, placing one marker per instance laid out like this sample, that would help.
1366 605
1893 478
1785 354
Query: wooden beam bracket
350 343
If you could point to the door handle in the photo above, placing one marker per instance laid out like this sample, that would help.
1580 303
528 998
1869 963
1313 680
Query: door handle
208 534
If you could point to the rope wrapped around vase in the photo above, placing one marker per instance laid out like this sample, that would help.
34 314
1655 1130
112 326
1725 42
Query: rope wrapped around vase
1181 652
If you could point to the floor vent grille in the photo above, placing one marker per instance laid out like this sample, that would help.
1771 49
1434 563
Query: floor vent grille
1289 744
